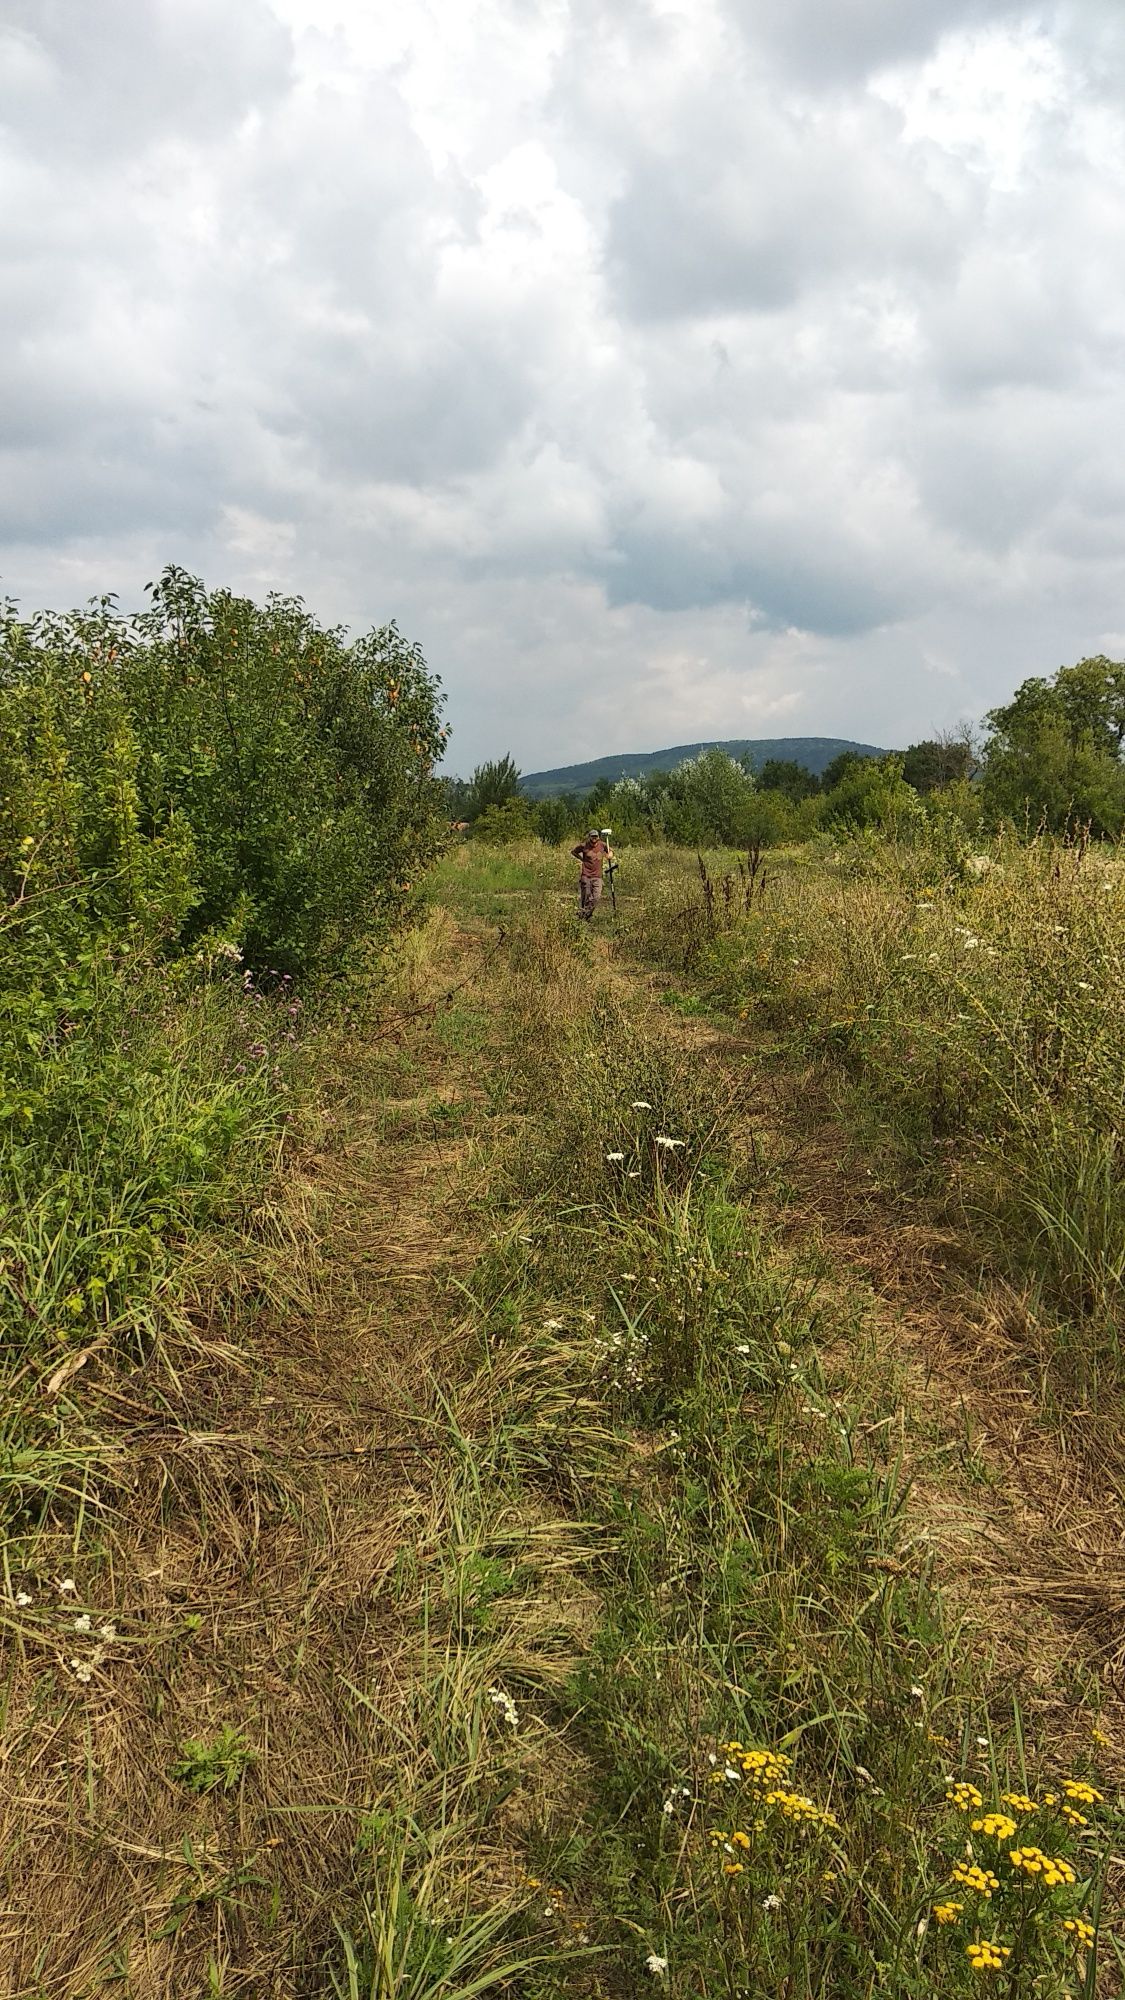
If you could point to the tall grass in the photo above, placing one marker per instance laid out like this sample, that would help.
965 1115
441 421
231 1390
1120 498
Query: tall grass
978 1011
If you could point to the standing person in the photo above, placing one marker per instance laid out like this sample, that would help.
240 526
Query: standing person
593 855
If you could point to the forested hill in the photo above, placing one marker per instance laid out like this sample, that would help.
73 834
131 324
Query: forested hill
814 752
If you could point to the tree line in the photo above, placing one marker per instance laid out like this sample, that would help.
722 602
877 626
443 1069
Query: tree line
1052 758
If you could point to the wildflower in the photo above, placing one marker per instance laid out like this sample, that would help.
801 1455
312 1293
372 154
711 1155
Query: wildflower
917 1693
22 1598
503 1701
1081 1794
1079 1929
733 1868
947 1913
668 1144
67 1587
1019 1802
615 1158
1073 1818
83 1624
964 1796
552 1326
108 1633
628 1276
743 1347
984 1956
996 1825
1099 1736
981 1880
655 1964
82 1670
741 1840
1054 1871
771 1902
641 1104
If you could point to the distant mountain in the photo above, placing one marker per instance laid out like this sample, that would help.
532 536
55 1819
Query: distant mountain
814 752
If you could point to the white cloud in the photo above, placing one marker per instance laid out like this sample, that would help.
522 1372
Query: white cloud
664 370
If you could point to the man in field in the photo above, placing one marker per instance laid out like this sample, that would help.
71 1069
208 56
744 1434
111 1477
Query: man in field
593 854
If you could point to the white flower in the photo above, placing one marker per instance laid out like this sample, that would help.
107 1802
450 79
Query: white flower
22 1598
639 1104
503 1701
614 1157
663 1140
67 1587
655 1964
628 1276
771 1902
83 1624
919 1693
743 1347
83 1670
108 1633
552 1326
668 1807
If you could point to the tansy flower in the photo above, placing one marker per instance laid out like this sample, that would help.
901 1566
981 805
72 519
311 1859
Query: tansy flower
1080 1930
996 1825
964 1796
1073 1818
1052 1870
1082 1794
947 1913
1019 1802
733 1868
985 1956
982 1880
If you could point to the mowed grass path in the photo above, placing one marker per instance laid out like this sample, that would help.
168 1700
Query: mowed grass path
593 1569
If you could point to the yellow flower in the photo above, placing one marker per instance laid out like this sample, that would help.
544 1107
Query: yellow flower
1082 1794
1080 1930
1019 1802
997 1825
802 1811
1073 1818
982 1880
947 1913
732 1868
1099 1736
964 1796
741 1840
1052 1870
984 1956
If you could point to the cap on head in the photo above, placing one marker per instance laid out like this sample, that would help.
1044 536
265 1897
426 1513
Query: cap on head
593 834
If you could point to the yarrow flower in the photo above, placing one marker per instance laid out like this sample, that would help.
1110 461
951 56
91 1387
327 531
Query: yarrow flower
655 1964
614 1158
67 1587
22 1598
984 1956
503 1701
662 1139
83 1624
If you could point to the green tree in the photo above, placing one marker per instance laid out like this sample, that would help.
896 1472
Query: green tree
1053 754
785 775
492 784
939 761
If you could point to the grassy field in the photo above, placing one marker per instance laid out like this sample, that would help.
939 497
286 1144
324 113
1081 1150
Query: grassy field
577 1542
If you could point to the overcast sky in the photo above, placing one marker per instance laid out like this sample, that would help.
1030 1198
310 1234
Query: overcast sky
667 368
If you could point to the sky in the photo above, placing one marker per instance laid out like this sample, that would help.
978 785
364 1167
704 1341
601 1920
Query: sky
666 368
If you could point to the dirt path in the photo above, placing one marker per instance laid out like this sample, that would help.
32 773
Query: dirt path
254 1499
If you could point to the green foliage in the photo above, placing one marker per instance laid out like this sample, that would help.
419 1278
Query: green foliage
1054 755
217 1765
493 784
498 825
211 769
938 762
792 780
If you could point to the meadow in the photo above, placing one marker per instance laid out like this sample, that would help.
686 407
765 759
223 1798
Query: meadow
590 1467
